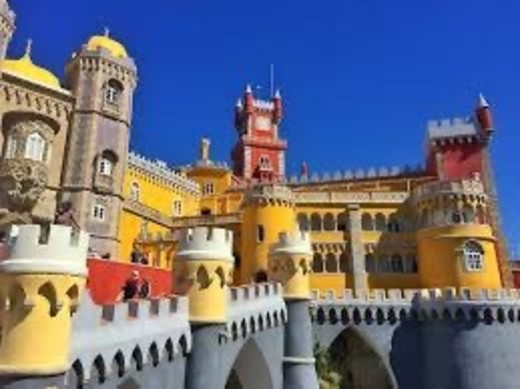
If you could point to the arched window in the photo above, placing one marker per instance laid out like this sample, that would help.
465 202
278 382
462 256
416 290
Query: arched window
410 265
303 222
208 188
380 222
331 263
367 223
370 264
135 191
315 222
393 224
473 256
265 162
384 264
328 222
177 208
456 217
397 264
113 92
344 263
35 147
205 211
343 221
11 147
468 214
317 263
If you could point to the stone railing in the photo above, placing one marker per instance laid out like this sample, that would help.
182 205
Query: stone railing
351 197
473 187
147 212
209 220
269 193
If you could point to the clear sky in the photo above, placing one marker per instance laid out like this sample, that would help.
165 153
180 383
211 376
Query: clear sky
359 78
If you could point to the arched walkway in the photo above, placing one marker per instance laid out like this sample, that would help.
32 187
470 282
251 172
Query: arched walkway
250 370
358 363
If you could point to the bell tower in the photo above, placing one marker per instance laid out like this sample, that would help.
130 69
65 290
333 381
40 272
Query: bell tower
259 154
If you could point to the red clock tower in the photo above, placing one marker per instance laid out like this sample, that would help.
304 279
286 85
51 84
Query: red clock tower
259 154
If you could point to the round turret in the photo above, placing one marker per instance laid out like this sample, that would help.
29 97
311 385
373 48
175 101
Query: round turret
268 210
456 244
40 284
290 264
204 268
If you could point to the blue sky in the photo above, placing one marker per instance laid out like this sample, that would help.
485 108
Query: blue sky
359 78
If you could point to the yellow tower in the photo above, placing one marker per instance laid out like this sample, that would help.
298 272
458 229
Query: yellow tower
40 284
268 210
204 267
456 246
290 264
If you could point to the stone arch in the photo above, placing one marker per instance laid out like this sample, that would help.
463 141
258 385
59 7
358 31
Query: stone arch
76 375
359 362
380 222
329 224
303 222
367 223
137 359
343 221
98 370
168 350
250 369
48 292
153 354
118 364
317 263
344 263
316 222
331 263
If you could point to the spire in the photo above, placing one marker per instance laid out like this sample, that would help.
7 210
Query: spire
482 103
304 172
277 94
248 89
239 103
28 49
106 32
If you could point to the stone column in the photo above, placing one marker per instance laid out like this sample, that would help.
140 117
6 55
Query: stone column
356 248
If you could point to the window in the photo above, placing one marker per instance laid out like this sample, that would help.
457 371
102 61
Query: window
367 223
317 263
105 166
397 264
177 208
208 188
303 222
12 145
35 147
265 162
99 212
135 191
260 233
473 256
113 92
370 263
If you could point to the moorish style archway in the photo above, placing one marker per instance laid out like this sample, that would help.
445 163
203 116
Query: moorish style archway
250 370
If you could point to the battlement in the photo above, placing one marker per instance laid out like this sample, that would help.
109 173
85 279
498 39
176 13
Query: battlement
392 296
449 128
263 105
158 325
269 193
296 243
468 187
162 172
206 243
252 308
34 250
359 174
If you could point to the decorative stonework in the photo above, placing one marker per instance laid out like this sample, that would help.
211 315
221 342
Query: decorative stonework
269 194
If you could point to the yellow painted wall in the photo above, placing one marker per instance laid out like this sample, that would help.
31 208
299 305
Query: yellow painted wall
275 219
441 261
337 282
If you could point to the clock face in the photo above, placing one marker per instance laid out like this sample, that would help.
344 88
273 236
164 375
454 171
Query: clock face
263 123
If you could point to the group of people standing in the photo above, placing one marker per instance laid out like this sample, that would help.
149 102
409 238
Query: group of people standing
135 287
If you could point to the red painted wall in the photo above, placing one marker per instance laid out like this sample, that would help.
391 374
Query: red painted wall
106 278
459 160
516 277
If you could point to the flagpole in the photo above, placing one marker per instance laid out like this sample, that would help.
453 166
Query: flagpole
272 80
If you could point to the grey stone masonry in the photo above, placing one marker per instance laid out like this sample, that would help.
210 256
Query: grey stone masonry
357 250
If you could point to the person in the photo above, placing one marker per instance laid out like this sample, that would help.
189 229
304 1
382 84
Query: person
144 259
135 256
131 288
144 290
65 215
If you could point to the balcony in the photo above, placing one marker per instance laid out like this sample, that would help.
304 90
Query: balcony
206 220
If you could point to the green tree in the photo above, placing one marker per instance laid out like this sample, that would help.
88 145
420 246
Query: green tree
328 376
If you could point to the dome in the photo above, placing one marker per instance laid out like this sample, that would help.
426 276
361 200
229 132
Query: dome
105 42
25 68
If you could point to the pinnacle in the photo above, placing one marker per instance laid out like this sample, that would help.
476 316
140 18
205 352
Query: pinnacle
482 102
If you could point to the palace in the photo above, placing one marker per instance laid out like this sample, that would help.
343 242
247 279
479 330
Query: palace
395 262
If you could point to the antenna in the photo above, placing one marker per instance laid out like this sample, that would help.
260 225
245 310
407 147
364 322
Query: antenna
272 80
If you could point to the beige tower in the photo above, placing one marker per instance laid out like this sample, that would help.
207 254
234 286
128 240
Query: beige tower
102 77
